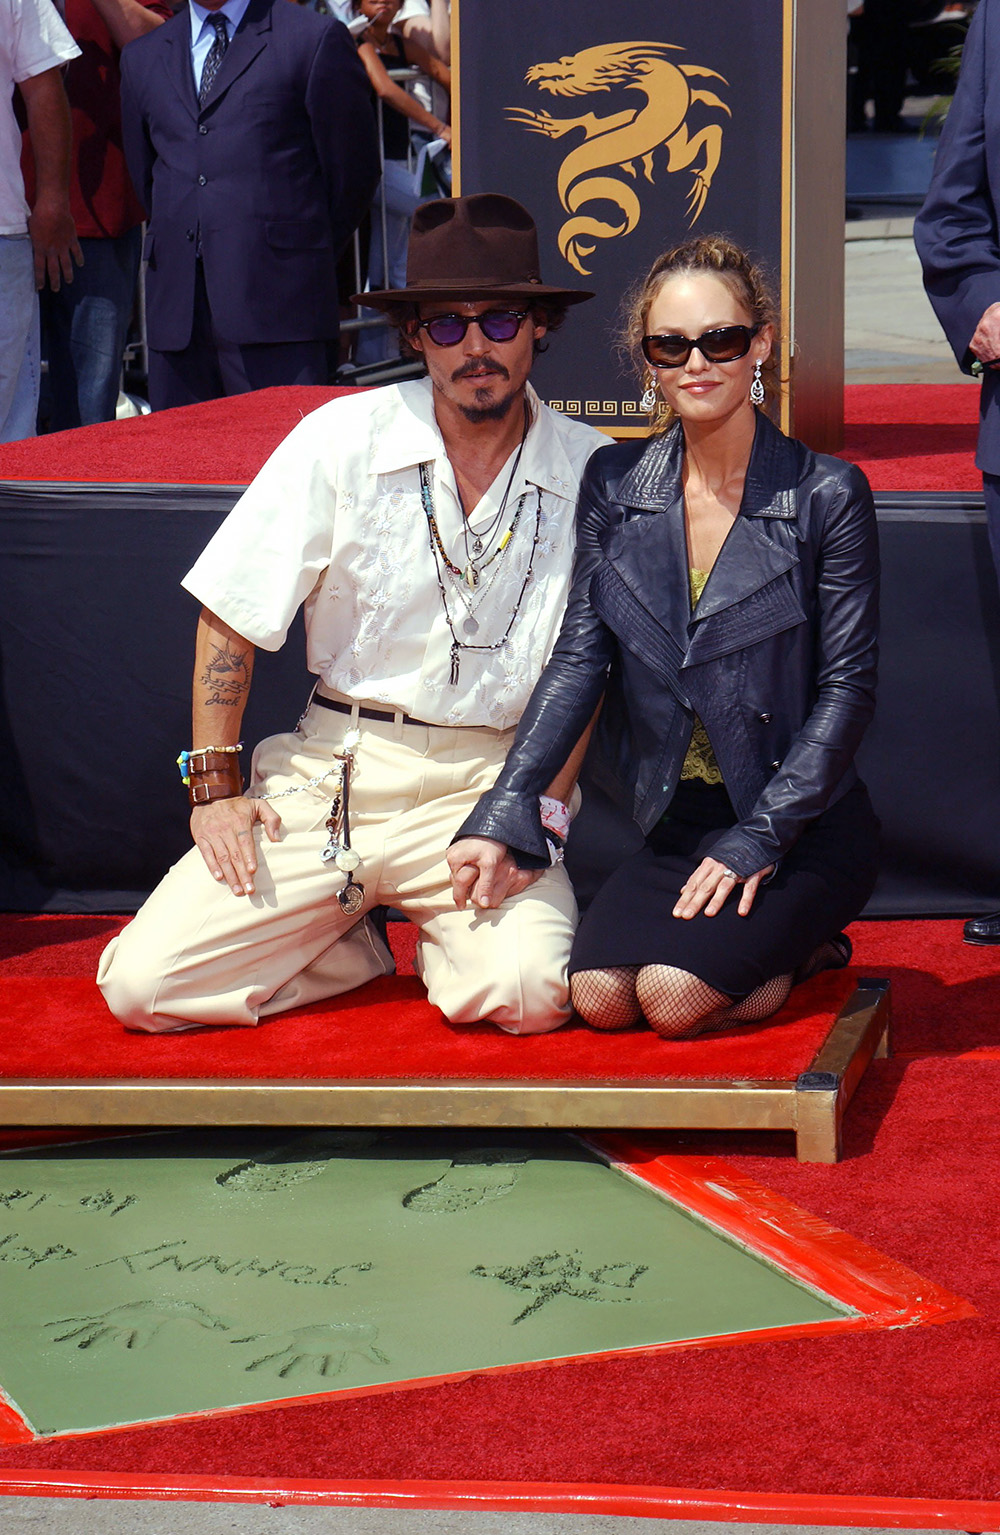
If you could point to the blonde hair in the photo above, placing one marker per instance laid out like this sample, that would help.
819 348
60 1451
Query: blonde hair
719 257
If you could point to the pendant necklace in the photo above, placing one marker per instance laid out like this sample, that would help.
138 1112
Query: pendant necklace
477 543
470 625
472 574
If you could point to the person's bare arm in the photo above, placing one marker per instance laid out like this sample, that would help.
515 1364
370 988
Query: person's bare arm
50 223
394 96
432 32
428 64
127 19
223 830
441 29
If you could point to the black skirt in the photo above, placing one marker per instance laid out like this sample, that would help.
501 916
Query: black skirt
820 886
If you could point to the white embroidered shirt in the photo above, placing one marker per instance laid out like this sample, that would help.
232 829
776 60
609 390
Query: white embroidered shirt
335 520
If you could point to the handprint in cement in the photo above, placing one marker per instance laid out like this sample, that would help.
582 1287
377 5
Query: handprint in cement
133 1324
322 1349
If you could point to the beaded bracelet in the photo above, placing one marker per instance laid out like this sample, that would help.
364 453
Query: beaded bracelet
211 773
187 761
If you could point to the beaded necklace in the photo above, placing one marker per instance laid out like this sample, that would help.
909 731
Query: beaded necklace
472 573
480 542
440 558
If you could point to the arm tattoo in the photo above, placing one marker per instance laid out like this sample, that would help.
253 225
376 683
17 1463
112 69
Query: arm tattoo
227 675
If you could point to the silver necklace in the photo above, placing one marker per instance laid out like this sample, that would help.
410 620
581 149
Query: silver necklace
478 544
457 645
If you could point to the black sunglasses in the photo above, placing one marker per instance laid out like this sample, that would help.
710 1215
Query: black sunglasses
495 324
726 344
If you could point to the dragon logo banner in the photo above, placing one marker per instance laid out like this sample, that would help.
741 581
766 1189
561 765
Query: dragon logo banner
619 148
625 129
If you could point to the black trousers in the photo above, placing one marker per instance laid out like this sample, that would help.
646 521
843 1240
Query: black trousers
210 367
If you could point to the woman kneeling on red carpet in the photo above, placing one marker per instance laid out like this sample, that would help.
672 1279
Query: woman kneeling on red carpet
725 604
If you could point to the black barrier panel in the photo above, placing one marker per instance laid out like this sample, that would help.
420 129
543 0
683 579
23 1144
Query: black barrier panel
624 129
95 670
96 650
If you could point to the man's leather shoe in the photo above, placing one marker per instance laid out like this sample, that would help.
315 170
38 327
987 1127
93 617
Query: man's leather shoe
982 930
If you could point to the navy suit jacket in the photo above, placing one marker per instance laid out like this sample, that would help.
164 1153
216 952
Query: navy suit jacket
957 232
275 170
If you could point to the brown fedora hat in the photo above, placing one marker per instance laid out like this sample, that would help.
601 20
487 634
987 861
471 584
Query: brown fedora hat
470 248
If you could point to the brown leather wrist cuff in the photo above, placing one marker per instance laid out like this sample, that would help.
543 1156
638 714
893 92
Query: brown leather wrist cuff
222 780
202 762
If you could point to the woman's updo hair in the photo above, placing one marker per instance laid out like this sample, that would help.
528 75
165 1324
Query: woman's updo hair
745 279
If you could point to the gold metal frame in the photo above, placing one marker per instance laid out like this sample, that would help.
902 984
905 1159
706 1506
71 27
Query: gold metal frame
812 1105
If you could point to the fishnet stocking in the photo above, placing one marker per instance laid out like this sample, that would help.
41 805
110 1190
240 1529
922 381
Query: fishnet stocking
606 998
678 1005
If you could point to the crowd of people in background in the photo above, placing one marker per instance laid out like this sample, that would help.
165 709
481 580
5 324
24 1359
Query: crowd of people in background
245 134
895 47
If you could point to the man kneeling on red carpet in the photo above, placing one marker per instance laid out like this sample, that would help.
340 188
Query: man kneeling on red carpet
428 528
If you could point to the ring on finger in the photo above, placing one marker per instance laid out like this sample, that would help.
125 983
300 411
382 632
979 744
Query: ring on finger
731 874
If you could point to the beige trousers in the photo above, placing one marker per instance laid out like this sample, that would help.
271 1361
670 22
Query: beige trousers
197 954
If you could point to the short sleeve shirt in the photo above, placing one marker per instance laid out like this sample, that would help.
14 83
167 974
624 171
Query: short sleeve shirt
32 40
336 519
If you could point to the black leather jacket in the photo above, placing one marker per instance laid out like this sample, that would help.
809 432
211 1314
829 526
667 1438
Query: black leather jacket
778 660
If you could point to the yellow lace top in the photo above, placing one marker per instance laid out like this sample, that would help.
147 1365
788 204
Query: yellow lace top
700 760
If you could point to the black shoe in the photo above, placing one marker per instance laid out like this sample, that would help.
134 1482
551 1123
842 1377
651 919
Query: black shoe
982 930
832 955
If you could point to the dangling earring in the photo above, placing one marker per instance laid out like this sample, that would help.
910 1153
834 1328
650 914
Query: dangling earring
757 387
650 399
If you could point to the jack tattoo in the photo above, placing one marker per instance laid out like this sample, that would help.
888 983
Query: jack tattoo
227 674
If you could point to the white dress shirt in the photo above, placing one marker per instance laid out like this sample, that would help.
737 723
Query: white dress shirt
203 32
335 520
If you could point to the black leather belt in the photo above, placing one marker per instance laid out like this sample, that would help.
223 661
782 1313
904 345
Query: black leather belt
366 714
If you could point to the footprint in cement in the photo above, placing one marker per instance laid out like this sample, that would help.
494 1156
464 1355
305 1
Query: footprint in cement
323 1349
295 1161
134 1324
474 1178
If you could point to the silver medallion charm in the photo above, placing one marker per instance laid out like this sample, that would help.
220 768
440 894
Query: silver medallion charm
470 625
352 897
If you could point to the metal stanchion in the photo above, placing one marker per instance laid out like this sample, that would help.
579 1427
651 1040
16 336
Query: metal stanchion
392 369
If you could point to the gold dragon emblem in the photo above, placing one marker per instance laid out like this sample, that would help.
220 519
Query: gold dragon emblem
622 141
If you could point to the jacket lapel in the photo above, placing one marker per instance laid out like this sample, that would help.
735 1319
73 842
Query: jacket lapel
178 60
248 41
649 554
746 598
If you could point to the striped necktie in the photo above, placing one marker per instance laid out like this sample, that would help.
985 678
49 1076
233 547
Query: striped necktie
216 54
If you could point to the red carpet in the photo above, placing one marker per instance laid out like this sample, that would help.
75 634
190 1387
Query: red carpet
945 1000
913 436
223 442
49 994
904 1414
905 437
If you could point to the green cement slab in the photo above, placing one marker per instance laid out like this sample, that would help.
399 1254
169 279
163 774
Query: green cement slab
69 1516
166 1274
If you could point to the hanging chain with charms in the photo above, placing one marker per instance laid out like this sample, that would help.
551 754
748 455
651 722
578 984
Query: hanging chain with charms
457 645
338 849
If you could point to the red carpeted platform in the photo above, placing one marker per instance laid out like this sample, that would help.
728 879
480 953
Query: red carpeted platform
794 1424
905 436
49 993
913 437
